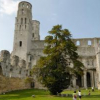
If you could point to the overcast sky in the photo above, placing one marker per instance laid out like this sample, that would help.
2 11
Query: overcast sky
81 17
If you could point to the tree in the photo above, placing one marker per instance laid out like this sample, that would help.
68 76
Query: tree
55 69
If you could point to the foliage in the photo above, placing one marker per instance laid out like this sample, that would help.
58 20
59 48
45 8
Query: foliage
55 69
28 80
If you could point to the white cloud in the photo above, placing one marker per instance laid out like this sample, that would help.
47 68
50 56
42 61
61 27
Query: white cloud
8 6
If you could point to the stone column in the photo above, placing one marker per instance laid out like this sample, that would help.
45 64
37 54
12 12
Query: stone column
85 79
96 79
91 77
82 81
74 81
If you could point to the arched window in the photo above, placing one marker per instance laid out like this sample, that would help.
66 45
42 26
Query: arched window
27 6
20 43
23 5
25 20
21 20
78 43
89 42
22 11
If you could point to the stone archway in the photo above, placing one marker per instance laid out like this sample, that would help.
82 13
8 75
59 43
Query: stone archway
88 79
0 70
79 81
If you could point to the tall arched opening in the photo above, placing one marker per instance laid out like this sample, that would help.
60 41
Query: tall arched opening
88 79
79 81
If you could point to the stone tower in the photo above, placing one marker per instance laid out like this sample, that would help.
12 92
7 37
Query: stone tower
23 30
26 30
35 30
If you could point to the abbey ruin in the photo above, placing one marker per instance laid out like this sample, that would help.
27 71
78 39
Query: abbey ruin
27 49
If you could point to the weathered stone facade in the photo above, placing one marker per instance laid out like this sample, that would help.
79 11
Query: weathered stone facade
8 84
12 66
28 47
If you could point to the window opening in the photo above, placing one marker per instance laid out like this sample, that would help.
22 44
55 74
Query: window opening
33 35
27 6
30 58
78 43
23 5
25 20
21 20
89 42
20 43
22 11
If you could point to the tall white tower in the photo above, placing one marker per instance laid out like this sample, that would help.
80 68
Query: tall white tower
23 30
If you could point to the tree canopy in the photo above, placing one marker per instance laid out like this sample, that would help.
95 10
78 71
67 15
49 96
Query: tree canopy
60 62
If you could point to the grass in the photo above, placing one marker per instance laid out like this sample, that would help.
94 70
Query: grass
45 95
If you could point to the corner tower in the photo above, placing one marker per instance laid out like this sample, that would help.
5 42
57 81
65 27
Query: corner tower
23 30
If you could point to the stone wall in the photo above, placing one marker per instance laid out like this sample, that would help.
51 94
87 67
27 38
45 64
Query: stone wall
9 84
13 66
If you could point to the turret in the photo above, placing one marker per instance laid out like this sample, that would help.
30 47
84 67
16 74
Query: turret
35 30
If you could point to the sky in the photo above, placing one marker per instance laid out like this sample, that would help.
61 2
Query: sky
80 17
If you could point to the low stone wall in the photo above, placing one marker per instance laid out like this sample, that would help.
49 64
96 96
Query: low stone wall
9 84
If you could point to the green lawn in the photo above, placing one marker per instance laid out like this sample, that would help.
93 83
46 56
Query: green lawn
44 95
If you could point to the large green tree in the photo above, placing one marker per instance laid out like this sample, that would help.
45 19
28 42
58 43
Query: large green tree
55 69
